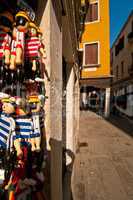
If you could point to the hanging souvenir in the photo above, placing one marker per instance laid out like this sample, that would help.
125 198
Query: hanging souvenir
36 135
21 27
6 24
9 144
24 126
33 50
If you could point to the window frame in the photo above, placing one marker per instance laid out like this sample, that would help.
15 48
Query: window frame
98 20
91 65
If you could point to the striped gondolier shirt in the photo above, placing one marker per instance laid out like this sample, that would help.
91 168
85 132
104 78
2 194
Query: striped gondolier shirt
32 46
7 131
5 41
24 127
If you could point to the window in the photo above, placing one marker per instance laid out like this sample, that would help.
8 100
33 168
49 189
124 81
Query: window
119 46
122 68
91 54
92 14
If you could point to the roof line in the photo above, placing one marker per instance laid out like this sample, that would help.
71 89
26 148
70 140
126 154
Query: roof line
123 27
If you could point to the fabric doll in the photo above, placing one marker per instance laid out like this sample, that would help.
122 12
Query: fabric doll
21 27
36 135
34 49
8 137
6 23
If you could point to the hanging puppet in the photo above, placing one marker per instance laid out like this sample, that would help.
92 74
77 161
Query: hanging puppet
34 50
24 126
8 139
6 24
20 29
36 135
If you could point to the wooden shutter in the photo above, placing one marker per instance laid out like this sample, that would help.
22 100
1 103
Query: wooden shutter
91 54
94 11
92 14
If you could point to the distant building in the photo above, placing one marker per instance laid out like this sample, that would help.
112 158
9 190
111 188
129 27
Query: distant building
122 68
95 49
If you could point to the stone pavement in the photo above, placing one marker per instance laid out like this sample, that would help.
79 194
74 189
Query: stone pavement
103 167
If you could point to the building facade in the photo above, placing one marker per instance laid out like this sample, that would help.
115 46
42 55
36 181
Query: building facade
122 68
95 45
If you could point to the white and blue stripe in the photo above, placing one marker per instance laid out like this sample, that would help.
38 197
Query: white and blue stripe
7 131
24 127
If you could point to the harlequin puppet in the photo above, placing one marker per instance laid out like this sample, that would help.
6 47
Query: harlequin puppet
21 27
34 50
8 134
6 24
36 135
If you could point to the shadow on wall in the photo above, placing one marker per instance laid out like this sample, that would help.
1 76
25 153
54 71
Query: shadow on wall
67 174
56 167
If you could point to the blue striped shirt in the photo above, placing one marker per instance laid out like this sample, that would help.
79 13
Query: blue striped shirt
7 131
24 127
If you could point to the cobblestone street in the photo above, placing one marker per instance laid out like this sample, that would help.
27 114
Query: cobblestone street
103 167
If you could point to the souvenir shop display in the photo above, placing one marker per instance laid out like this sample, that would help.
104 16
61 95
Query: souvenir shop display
22 100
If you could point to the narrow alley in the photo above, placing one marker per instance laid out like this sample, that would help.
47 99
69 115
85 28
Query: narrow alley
103 166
